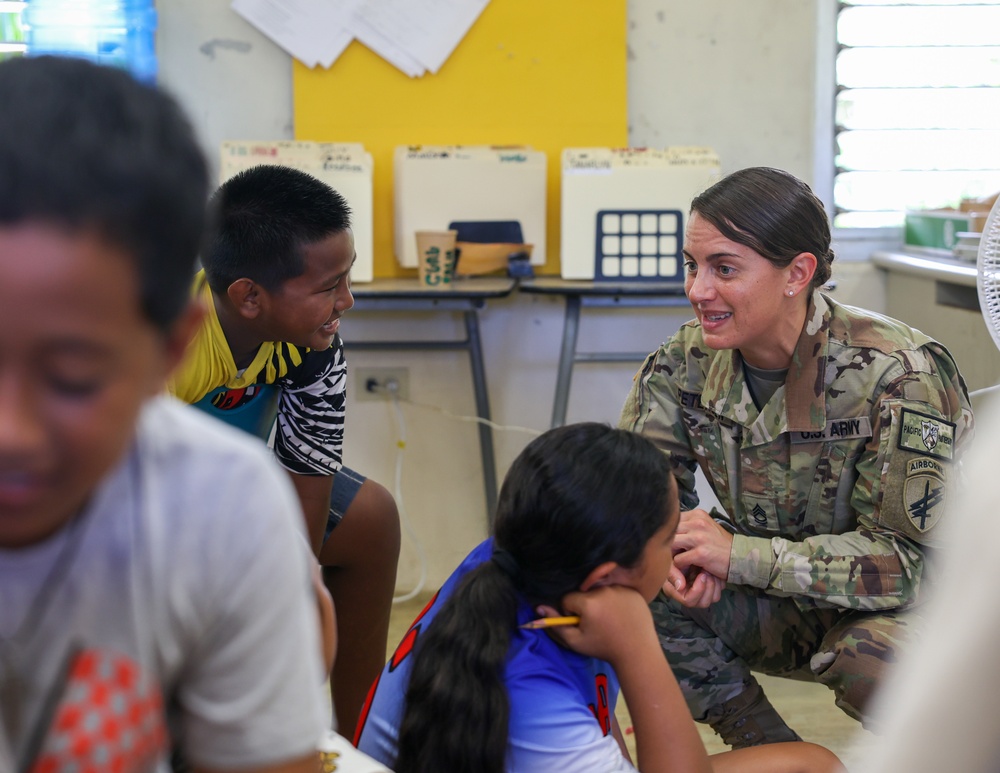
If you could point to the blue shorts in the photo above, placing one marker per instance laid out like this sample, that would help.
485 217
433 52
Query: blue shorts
346 483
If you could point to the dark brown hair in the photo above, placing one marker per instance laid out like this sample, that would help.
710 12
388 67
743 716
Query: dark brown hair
772 212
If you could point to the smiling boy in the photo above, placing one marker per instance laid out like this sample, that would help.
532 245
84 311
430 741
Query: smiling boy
275 284
141 608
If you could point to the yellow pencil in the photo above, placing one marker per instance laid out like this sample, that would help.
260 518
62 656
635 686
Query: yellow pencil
551 622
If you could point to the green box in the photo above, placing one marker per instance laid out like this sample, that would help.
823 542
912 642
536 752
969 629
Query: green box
935 229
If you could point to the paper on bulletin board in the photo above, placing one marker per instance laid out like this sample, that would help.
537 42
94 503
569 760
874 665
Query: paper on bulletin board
315 33
546 74
426 30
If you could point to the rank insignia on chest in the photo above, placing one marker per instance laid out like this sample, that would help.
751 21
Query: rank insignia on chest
759 513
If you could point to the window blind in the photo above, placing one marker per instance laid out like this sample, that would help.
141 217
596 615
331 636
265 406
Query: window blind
917 117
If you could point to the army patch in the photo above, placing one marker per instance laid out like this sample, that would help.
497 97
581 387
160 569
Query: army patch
923 492
836 429
917 466
926 434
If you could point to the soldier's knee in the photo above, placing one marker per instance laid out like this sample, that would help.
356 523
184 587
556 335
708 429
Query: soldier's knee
749 719
854 664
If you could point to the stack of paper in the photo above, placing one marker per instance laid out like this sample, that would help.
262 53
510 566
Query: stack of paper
346 167
417 36
436 186
624 210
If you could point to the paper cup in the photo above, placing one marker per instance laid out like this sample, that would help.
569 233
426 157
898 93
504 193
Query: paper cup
436 259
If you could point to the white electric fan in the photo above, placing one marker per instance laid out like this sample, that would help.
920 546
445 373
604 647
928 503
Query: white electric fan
988 279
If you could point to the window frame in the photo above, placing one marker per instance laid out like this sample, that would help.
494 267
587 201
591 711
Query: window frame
7 48
854 243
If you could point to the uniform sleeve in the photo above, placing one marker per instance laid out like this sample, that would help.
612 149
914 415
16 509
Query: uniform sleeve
658 415
309 433
921 421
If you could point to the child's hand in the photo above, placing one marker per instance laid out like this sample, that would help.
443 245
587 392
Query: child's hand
612 619
697 588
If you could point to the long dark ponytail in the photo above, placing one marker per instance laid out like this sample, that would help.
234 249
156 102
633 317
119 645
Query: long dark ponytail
576 497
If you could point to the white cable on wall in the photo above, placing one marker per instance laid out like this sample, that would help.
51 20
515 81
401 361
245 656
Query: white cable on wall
475 419
404 520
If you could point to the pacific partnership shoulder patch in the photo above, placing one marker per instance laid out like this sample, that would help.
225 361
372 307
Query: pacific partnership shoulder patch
926 434
923 492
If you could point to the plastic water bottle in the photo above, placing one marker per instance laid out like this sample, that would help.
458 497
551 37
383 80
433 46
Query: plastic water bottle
113 32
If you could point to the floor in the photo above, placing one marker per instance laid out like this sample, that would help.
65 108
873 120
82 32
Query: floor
808 708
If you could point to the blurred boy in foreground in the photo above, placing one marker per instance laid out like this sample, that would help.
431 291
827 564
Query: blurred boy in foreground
141 607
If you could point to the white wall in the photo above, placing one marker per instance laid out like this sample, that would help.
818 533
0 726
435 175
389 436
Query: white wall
234 82
739 76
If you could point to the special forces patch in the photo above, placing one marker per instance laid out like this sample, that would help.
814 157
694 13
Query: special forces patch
923 492
926 434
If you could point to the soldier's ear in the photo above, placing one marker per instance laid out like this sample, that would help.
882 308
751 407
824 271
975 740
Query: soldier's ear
800 273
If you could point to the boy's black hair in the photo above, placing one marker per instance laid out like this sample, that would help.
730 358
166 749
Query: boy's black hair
88 148
262 218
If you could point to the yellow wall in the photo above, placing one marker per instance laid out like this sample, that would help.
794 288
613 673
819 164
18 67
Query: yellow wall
545 73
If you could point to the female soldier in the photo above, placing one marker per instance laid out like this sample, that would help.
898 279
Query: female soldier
828 434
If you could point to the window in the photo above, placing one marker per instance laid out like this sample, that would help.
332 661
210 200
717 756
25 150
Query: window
11 33
115 34
917 109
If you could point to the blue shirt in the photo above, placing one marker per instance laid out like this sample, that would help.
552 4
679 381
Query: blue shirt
562 704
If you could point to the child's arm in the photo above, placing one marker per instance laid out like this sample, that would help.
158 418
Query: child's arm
616 626
309 436
616 731
314 496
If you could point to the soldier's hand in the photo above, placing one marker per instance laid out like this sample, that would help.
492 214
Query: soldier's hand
701 543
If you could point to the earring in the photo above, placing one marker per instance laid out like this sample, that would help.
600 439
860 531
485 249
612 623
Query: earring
791 293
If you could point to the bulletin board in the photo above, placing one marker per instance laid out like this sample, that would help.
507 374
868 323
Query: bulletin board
545 73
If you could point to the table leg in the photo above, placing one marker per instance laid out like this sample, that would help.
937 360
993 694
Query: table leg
483 411
571 329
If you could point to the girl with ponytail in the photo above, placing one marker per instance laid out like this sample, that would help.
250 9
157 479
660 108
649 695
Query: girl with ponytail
584 527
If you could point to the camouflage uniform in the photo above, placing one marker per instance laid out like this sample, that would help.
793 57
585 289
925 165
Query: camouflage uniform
833 492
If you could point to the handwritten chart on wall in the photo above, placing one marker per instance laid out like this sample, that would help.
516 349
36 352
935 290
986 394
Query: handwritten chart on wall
545 73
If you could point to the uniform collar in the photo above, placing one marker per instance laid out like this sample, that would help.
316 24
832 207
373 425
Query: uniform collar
798 405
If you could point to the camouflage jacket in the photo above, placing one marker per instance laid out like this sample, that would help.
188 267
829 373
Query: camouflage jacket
835 488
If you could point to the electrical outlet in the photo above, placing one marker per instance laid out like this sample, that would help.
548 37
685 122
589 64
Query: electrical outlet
375 383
